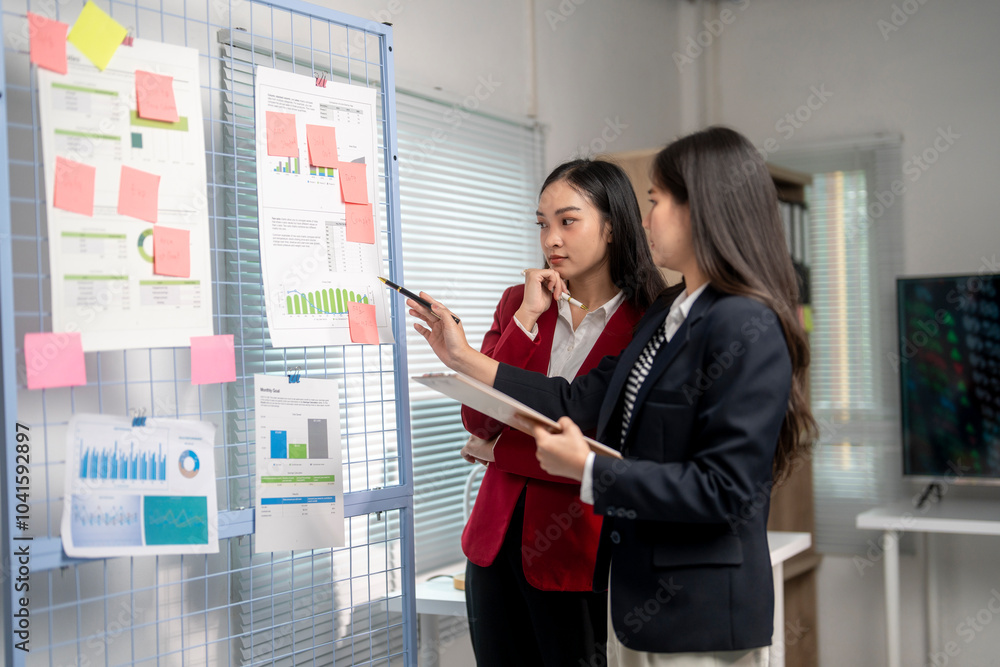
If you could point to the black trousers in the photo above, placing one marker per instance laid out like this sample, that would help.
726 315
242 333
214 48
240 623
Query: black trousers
514 624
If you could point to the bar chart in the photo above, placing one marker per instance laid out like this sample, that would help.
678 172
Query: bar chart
326 172
118 464
289 166
316 445
322 301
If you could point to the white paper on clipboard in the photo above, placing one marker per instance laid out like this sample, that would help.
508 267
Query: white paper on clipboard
498 405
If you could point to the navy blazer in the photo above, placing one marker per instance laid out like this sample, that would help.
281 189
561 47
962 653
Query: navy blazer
686 510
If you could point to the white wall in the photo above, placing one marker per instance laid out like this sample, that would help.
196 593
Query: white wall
449 45
937 71
605 79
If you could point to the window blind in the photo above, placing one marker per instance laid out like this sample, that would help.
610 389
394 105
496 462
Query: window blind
313 605
467 196
467 192
856 253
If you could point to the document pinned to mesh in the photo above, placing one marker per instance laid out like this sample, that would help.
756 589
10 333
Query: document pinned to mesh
498 405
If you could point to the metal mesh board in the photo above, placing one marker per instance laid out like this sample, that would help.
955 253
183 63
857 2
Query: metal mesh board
234 607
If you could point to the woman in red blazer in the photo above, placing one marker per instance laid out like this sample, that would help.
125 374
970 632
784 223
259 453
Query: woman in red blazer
531 543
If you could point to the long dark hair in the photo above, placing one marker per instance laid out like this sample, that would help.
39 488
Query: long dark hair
609 190
740 246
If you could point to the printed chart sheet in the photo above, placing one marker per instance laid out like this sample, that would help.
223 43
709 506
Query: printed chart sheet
115 179
300 503
139 491
317 205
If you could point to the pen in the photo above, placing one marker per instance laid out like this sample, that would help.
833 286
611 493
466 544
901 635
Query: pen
410 295
566 297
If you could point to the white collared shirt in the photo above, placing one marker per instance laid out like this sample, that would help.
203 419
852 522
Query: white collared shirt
570 347
678 312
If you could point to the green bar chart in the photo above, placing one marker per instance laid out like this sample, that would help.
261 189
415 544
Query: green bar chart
289 166
327 172
322 301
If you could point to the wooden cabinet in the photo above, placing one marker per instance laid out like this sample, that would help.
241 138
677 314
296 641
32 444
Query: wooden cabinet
637 165
792 500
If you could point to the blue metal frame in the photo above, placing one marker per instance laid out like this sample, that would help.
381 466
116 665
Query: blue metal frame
8 366
47 553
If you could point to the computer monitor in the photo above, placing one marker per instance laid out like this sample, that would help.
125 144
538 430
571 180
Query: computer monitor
949 374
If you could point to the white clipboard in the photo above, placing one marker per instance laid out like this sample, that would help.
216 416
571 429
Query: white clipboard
498 405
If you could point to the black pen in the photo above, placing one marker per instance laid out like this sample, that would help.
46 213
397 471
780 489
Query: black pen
407 293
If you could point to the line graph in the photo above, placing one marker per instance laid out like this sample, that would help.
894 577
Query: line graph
102 520
175 519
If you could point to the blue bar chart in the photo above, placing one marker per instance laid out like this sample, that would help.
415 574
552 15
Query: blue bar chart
279 444
313 446
139 488
114 463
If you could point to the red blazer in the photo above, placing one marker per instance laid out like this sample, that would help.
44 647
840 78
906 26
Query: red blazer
560 535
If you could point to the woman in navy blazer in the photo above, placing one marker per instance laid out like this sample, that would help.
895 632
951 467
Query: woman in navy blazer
707 405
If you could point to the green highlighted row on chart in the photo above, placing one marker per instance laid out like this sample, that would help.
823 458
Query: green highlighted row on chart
324 301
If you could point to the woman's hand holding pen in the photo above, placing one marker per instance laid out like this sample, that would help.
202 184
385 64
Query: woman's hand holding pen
447 339
541 288
564 453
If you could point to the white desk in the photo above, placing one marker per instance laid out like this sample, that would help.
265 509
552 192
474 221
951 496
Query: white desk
962 517
438 597
783 545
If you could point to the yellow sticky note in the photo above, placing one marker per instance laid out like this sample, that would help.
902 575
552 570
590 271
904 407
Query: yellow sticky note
97 35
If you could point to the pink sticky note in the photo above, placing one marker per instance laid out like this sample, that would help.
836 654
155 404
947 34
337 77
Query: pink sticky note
322 141
282 140
353 182
361 318
74 187
48 42
154 97
212 359
171 252
138 194
54 360
360 223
